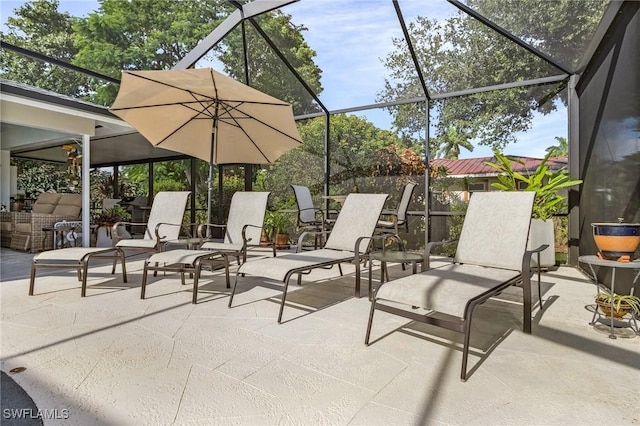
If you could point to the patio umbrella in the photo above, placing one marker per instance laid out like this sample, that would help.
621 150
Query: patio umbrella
205 114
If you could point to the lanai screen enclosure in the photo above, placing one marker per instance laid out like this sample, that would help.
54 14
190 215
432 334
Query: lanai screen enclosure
380 87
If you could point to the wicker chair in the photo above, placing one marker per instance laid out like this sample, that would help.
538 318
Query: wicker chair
29 227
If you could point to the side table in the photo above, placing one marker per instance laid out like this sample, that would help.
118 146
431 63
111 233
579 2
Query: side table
395 256
614 265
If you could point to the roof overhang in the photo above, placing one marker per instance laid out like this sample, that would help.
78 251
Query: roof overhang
35 123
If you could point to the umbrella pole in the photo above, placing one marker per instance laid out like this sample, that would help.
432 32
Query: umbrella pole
210 179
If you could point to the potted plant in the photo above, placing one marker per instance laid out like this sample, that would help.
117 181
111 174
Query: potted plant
622 304
277 224
105 221
547 185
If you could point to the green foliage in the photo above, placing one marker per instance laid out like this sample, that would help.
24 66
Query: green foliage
460 53
266 71
39 26
37 177
559 150
111 216
618 299
277 223
142 35
545 183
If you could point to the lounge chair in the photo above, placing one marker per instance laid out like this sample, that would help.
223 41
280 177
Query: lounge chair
242 231
491 256
311 218
398 216
75 258
164 224
348 240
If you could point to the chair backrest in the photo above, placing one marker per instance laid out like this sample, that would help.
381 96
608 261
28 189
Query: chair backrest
403 206
496 229
306 212
247 208
168 207
46 203
69 205
358 217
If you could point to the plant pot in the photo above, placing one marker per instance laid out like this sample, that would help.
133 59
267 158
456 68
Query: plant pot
282 241
605 308
616 241
542 232
264 239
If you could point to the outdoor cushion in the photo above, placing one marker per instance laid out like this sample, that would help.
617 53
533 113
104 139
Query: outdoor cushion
46 202
69 205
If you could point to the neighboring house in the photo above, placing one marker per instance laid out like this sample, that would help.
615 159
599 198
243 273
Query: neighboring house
472 175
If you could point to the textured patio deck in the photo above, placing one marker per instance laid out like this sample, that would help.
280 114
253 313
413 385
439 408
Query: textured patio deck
111 358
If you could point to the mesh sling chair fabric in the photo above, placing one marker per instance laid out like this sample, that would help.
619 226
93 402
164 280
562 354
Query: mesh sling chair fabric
164 224
348 239
242 231
310 218
491 256
399 215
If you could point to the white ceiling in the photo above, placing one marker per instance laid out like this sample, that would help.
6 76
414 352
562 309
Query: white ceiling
35 125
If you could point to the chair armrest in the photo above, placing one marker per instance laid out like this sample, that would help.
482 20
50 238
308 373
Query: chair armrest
245 240
160 224
307 233
429 247
203 227
526 259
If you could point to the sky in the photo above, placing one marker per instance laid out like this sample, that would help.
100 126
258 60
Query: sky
353 74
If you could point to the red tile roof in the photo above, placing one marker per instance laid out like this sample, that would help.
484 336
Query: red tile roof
476 166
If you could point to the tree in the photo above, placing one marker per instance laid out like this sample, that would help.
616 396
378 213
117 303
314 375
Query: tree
133 35
451 141
39 26
266 71
461 53
559 150
361 157
142 35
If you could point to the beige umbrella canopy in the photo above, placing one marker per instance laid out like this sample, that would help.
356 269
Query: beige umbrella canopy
207 115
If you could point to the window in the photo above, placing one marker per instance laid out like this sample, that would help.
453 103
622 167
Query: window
477 187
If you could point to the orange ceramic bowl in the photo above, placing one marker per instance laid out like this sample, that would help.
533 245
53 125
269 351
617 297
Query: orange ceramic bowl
615 240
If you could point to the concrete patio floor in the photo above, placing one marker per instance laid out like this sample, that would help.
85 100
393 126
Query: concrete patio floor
113 359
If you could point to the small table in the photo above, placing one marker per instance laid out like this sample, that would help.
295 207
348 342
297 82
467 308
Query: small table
596 261
396 256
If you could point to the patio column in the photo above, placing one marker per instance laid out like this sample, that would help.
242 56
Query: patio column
5 177
86 192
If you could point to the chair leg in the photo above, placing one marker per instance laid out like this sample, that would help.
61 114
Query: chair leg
196 278
33 279
284 297
85 268
340 269
124 268
226 270
233 289
144 280
113 269
465 349
370 323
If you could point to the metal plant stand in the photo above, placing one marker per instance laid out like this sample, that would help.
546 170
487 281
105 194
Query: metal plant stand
614 265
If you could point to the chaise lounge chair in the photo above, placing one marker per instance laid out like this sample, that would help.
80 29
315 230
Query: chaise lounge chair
164 224
242 231
491 256
349 239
